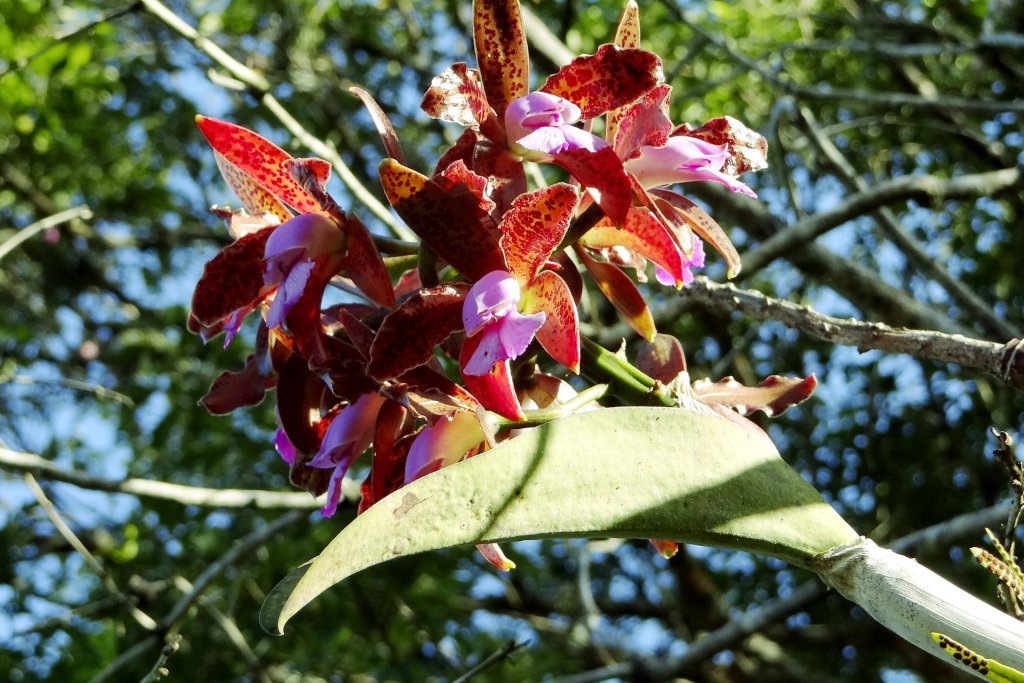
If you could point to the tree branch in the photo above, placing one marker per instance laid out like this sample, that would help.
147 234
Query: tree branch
922 187
160 490
13 242
1004 361
257 82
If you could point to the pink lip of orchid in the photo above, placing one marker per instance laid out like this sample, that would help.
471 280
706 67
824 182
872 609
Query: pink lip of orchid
349 434
683 159
696 260
290 257
540 122
490 311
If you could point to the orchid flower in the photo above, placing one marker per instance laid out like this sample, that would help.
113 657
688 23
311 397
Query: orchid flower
349 434
683 159
540 122
295 248
490 311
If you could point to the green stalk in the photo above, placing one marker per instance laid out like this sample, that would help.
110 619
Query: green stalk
625 381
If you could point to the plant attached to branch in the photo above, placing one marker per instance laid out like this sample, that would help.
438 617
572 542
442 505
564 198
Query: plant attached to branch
440 366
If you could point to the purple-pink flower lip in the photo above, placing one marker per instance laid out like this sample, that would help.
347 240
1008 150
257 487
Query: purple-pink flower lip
683 159
490 311
540 122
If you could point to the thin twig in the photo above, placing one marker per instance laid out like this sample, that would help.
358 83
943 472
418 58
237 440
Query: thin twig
928 344
257 82
973 305
159 670
241 547
69 35
144 620
500 654
160 490
13 242
922 187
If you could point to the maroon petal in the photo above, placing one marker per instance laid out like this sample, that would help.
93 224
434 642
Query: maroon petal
231 390
609 79
772 396
454 227
232 280
364 264
603 172
392 145
661 358
407 337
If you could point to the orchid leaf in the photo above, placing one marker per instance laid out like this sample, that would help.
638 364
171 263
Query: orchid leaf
609 79
453 226
408 335
501 51
258 158
559 335
666 473
534 226
622 293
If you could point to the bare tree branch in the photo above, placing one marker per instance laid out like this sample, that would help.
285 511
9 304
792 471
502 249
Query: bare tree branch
13 242
147 488
895 190
1004 361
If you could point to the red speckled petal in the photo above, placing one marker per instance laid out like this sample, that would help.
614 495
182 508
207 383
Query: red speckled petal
644 123
455 230
232 280
534 226
504 172
494 390
457 95
231 389
677 208
662 358
643 233
501 51
772 396
390 448
559 335
748 150
627 33
623 294
255 199
407 337
258 158
609 79
458 179
461 149
602 172
387 133
363 263
312 174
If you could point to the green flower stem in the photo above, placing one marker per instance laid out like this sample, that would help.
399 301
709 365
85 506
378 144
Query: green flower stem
427 266
624 380
535 418
388 245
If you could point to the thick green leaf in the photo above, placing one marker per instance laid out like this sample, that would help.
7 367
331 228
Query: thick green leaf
667 473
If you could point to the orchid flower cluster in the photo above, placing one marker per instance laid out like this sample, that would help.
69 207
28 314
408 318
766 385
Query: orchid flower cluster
441 358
